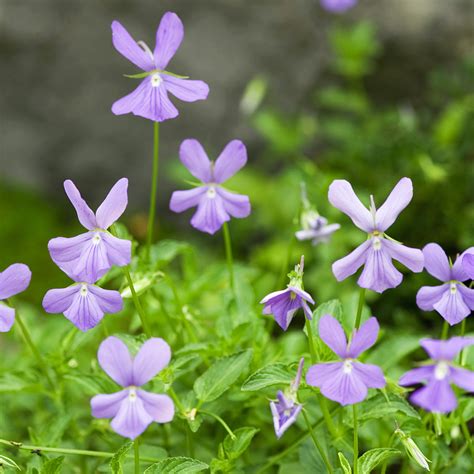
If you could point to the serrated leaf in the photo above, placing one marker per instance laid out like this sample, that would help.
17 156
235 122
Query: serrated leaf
221 375
178 465
116 463
346 467
52 466
234 448
272 374
371 459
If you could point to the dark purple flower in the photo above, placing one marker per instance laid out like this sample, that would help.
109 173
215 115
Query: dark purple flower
150 99
13 280
468 262
437 395
338 6
453 300
89 256
347 381
286 409
215 205
83 304
377 252
283 304
133 409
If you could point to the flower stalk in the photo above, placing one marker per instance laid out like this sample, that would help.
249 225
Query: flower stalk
154 186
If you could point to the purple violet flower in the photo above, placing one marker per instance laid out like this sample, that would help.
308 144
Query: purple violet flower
215 205
286 409
452 300
338 6
133 409
347 381
83 304
437 395
150 99
283 304
468 262
377 252
88 256
13 280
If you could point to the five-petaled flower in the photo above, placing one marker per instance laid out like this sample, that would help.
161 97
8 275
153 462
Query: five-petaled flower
346 381
286 409
13 280
283 304
468 262
377 252
88 256
214 204
150 99
437 395
133 409
453 300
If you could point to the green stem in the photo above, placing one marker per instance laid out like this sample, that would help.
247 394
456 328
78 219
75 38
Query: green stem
360 307
312 349
228 254
444 332
220 420
286 262
136 301
316 443
462 353
176 400
356 439
136 452
154 186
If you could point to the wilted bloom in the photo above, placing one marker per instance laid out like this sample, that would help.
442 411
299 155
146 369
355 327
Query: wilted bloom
215 205
437 395
468 262
347 381
453 300
89 256
13 280
377 252
338 6
413 450
150 99
133 409
83 304
286 409
283 304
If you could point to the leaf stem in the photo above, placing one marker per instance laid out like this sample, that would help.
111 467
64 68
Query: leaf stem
228 254
136 452
136 302
356 439
154 185
360 307
220 420
445 330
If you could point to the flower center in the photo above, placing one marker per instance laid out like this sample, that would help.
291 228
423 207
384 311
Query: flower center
132 393
211 192
96 239
376 243
156 80
453 288
347 366
84 289
441 370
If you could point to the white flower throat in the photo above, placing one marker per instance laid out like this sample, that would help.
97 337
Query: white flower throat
211 192
84 289
132 393
96 239
347 366
156 80
441 370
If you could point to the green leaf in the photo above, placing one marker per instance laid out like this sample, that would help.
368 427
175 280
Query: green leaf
178 465
7 462
398 345
234 448
346 467
92 384
116 463
371 459
141 283
272 374
52 466
220 376
165 251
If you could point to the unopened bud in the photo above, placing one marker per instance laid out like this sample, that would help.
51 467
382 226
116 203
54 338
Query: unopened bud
413 450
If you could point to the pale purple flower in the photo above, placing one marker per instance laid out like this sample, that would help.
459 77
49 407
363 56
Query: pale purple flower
283 304
347 381
437 394
150 99
13 280
88 256
215 205
468 262
133 409
315 228
83 304
377 252
286 409
337 6
453 300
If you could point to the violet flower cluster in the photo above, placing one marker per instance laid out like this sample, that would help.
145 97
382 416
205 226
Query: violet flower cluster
87 257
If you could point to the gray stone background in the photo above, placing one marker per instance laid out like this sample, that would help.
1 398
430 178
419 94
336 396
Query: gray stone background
60 75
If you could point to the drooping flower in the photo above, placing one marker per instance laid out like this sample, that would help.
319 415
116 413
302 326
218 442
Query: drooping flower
150 99
88 256
133 409
468 262
437 394
338 6
215 205
13 280
286 409
283 304
377 252
453 300
346 381
413 450
83 304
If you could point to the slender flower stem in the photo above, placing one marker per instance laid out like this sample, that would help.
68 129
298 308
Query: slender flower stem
444 332
356 439
138 305
316 443
228 254
360 307
462 353
154 186
136 452
176 400
221 421
312 349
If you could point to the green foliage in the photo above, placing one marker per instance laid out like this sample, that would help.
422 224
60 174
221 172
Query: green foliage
178 465
116 463
371 459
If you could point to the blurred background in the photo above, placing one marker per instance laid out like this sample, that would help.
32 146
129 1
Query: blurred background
371 94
